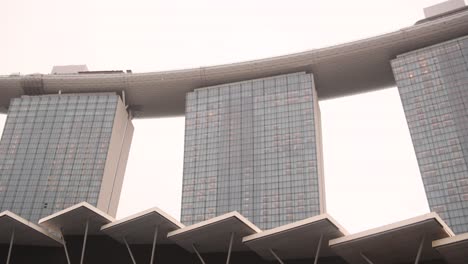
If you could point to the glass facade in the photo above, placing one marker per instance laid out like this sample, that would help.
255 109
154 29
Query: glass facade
252 147
53 152
433 86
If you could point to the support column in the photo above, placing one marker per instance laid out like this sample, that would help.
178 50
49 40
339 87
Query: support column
129 250
276 256
84 241
155 238
366 258
198 254
12 238
230 248
65 246
317 252
421 244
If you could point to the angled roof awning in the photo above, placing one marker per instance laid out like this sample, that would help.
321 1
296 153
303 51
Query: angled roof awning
453 249
407 241
139 228
214 235
25 232
75 219
147 227
298 240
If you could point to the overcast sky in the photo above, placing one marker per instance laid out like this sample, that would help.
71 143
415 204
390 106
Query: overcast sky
371 171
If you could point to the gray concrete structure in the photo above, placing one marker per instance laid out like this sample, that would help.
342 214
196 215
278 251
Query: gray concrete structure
57 150
433 86
339 70
254 147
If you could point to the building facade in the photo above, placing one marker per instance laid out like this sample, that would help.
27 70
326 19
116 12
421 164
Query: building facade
58 150
254 147
433 86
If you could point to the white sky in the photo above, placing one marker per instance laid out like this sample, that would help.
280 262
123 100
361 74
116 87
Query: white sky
371 171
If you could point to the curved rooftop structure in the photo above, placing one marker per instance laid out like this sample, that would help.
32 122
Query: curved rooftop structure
340 70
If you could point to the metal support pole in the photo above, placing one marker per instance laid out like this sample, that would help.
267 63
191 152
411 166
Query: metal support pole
230 248
65 246
421 244
276 256
154 244
84 241
129 250
198 254
366 258
11 246
317 252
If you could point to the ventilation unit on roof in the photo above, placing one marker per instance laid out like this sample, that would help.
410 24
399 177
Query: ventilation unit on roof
69 69
444 7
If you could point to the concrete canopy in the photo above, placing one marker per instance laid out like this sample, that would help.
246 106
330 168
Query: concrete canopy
72 220
339 70
298 240
25 232
139 228
453 249
213 235
394 243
